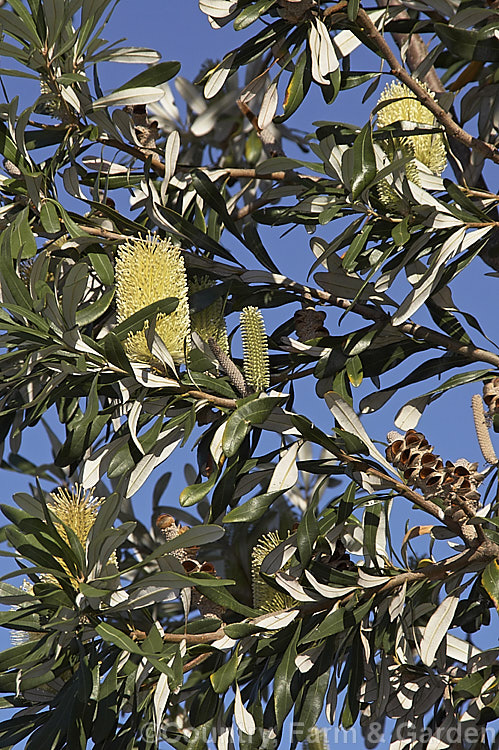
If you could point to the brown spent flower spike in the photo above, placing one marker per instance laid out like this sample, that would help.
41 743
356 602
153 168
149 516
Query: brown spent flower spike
171 530
309 323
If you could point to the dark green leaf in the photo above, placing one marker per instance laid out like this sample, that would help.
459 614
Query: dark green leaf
224 677
283 697
136 321
153 76
298 86
252 13
364 161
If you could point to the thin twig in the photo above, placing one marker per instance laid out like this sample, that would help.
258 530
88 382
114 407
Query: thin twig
423 333
225 403
195 662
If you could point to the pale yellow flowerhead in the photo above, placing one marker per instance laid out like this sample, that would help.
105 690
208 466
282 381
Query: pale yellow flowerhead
428 149
264 596
149 270
77 508
255 349
209 323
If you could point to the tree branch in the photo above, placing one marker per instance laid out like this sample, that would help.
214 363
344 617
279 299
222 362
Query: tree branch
368 312
444 118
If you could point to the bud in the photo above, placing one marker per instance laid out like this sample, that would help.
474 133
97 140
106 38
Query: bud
209 323
149 270
256 356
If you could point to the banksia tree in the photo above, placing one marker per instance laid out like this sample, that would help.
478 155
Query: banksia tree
114 358
149 270
255 349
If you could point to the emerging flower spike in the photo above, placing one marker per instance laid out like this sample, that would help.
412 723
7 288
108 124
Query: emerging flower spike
209 323
428 149
255 351
264 596
77 508
149 270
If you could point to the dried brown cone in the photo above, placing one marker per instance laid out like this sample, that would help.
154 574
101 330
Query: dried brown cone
309 323
455 483
491 395
413 456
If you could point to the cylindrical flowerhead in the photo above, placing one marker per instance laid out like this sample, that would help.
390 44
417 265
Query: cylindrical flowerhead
255 349
77 508
149 270
404 106
264 596
209 323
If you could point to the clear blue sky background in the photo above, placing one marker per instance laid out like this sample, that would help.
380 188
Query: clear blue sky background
179 31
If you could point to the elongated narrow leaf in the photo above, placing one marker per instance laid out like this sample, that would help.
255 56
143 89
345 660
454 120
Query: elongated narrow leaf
350 422
436 629
121 98
244 719
364 161
153 76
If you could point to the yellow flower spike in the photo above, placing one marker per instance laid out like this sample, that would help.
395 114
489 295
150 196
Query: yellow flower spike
209 323
149 270
255 350
77 508
428 149
264 596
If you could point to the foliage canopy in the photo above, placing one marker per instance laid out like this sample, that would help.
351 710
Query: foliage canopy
280 586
